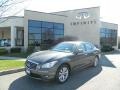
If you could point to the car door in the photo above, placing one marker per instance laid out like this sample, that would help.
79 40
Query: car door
79 60
89 52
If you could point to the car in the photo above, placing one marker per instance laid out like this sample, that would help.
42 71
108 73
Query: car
58 62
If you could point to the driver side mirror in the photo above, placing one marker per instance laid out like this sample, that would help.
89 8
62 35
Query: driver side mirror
79 51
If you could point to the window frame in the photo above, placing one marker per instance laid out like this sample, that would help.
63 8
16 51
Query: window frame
41 32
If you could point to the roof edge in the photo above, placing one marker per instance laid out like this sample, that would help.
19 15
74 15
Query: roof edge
12 17
76 9
47 13
109 22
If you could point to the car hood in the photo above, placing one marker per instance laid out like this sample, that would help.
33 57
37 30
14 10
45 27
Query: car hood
48 55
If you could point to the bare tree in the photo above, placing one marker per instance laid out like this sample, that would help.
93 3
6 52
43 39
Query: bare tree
6 5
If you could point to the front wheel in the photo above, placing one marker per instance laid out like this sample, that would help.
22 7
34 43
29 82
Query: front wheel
96 61
63 73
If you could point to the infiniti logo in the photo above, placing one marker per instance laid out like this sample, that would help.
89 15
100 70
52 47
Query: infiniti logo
83 15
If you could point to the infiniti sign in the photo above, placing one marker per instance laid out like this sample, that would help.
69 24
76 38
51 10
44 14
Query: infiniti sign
83 15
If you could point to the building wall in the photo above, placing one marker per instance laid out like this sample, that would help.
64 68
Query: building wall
83 24
39 16
6 34
85 32
110 26
9 25
15 21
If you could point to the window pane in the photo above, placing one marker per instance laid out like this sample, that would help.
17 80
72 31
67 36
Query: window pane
50 36
20 38
64 47
108 31
42 32
47 31
34 36
102 30
88 47
47 24
34 30
58 26
34 23
31 42
102 34
81 47
107 35
58 31
56 37
34 42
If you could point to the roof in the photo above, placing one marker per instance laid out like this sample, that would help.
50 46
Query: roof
12 17
77 9
74 42
47 13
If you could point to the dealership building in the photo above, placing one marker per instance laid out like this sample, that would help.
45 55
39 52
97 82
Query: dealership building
41 29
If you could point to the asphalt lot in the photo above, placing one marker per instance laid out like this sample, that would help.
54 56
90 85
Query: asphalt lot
104 77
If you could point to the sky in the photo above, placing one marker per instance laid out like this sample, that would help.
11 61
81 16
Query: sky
109 9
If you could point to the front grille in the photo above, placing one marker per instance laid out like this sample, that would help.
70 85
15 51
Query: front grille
35 75
31 65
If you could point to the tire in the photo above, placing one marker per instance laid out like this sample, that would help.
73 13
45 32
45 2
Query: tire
96 61
62 74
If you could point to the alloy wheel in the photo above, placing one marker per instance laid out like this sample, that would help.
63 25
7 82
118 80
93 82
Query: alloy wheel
96 62
63 74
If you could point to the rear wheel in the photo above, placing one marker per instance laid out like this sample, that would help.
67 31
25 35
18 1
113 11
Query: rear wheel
63 73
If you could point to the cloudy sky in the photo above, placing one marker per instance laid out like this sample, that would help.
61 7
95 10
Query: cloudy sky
109 8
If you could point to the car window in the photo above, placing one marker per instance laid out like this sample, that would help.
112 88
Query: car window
65 47
89 46
81 46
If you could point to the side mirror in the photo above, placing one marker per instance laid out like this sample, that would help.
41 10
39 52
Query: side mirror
79 51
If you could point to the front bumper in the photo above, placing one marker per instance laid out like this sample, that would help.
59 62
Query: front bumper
43 74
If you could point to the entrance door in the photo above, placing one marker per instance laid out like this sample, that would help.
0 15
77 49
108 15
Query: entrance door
47 38
20 38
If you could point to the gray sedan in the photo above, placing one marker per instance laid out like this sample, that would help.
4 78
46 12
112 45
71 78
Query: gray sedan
58 62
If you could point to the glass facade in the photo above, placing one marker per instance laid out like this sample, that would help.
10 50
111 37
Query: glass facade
108 36
5 40
19 37
5 37
42 33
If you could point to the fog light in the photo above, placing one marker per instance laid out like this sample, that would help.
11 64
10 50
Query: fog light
46 76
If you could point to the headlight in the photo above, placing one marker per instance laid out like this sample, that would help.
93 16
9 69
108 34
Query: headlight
49 65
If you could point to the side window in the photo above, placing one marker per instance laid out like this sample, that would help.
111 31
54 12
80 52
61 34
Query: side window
89 47
81 46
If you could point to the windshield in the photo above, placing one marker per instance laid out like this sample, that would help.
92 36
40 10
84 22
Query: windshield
63 47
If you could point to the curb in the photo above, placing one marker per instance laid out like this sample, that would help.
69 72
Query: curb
11 71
